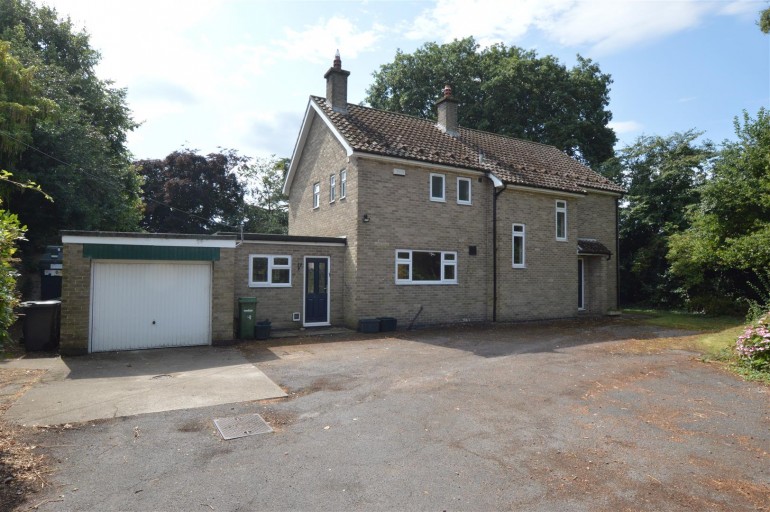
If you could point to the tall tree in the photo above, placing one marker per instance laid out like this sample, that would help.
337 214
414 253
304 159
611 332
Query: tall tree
764 21
505 90
191 193
729 235
662 176
21 104
266 207
80 156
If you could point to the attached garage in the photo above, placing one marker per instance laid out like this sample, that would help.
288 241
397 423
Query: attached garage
139 305
130 291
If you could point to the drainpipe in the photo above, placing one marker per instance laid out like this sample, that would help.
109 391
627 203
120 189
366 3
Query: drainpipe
617 254
499 187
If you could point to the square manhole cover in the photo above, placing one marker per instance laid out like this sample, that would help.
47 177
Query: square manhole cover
242 426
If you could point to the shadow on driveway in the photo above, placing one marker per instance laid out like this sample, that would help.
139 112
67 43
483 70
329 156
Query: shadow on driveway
110 385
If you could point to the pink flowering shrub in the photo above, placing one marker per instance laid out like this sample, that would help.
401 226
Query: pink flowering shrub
753 345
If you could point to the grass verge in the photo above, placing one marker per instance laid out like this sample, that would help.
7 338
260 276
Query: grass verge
716 340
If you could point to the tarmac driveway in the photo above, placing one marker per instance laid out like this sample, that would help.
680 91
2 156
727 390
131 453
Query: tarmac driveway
565 416
117 384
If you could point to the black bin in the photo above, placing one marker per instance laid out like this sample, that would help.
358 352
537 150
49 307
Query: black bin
387 323
41 324
368 325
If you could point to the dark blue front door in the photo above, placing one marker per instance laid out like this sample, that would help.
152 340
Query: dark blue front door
316 290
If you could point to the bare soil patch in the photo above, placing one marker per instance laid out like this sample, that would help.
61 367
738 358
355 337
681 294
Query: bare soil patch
22 470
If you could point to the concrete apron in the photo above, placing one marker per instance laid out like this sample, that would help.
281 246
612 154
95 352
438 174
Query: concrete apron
115 384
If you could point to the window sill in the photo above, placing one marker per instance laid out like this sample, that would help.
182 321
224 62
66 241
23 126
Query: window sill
428 283
269 285
436 200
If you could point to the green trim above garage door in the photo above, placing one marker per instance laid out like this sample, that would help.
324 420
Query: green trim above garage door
149 252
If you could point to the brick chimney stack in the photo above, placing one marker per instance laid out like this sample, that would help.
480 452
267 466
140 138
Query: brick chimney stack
447 113
337 86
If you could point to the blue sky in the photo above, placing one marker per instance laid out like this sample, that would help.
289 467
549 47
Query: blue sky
206 74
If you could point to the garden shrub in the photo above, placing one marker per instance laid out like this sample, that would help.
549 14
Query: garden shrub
753 345
10 232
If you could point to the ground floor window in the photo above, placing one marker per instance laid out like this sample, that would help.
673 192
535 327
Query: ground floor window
267 270
426 267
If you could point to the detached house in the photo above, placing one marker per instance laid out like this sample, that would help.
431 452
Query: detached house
448 224
389 215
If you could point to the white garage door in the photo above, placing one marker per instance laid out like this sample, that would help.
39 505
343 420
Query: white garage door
150 305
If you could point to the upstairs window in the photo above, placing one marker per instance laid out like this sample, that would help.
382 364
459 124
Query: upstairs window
343 184
332 188
426 267
437 187
519 246
561 220
316 194
463 191
267 270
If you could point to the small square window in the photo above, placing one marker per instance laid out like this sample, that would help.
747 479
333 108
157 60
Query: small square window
269 271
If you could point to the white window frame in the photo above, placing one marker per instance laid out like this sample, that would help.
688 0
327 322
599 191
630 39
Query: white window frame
561 208
316 194
448 259
332 188
271 265
521 234
343 183
437 199
468 201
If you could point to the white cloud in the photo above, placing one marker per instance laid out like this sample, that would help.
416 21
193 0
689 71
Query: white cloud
611 26
489 21
604 26
742 7
317 43
624 127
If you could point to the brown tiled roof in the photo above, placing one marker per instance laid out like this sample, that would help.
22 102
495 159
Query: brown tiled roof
514 161
590 246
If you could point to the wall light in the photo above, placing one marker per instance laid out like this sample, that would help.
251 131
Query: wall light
366 217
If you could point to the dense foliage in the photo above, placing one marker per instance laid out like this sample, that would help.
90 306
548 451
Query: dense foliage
728 239
11 231
191 193
265 208
21 104
78 154
504 90
662 176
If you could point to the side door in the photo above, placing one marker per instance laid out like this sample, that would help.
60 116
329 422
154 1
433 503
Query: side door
316 291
